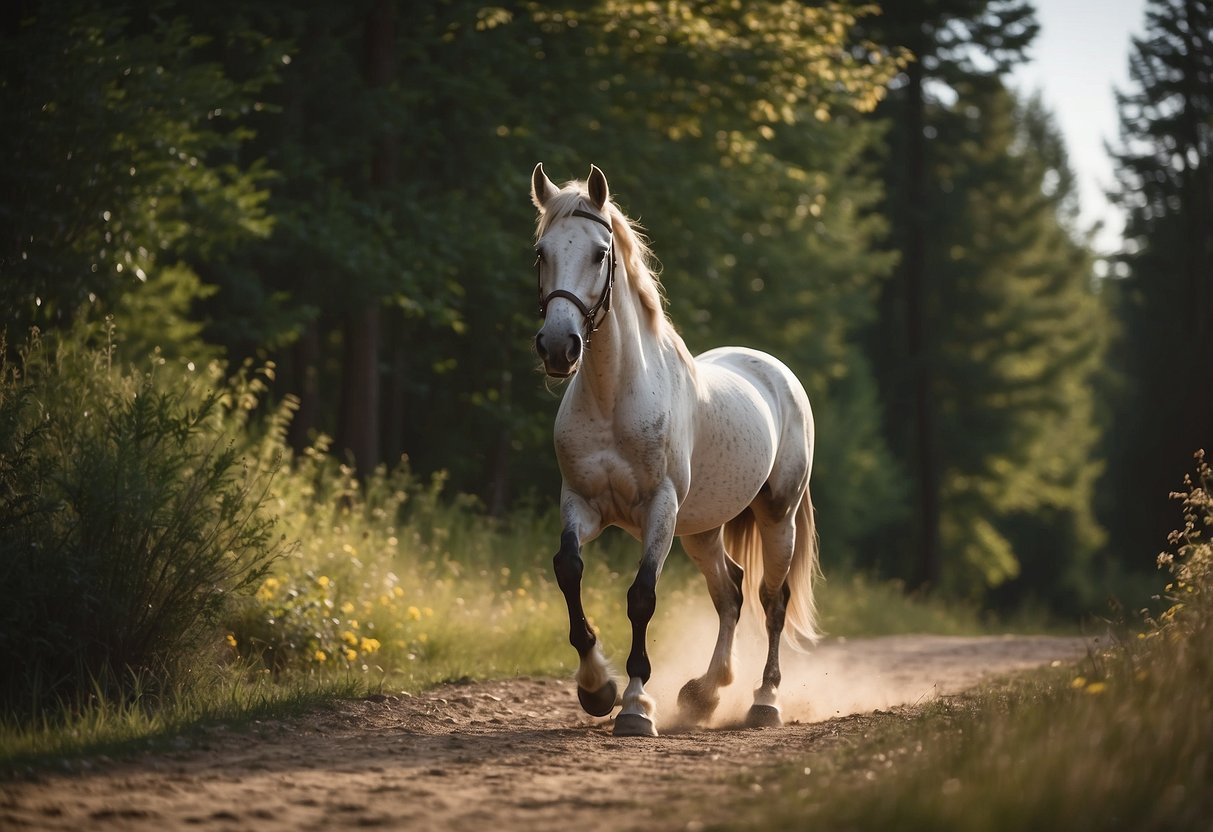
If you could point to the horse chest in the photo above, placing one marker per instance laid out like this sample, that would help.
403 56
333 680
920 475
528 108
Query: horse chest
617 465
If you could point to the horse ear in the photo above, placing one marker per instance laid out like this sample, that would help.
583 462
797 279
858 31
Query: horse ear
598 187
542 188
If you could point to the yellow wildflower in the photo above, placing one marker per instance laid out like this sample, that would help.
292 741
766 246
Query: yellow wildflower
414 614
323 580
369 645
350 654
347 607
398 592
1079 682
349 638
320 656
231 641
1096 688
266 591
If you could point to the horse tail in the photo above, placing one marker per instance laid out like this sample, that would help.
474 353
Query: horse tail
744 545
802 575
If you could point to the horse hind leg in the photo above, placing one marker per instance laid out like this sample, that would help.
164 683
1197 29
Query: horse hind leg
698 698
778 540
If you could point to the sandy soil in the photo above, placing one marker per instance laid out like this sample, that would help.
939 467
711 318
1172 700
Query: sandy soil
508 755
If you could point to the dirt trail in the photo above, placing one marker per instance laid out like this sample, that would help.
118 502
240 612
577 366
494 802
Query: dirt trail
504 756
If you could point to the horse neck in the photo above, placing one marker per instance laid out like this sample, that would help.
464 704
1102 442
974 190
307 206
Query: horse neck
622 348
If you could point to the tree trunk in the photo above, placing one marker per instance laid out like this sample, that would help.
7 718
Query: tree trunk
360 384
304 383
917 335
395 395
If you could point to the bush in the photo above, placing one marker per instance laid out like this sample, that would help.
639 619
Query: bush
130 515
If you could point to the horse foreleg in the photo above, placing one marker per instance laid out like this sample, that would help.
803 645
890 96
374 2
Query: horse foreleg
636 718
699 697
596 690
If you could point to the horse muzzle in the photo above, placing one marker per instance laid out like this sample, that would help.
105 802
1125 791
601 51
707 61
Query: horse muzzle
560 354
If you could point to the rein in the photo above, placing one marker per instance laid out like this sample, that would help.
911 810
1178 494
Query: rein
590 313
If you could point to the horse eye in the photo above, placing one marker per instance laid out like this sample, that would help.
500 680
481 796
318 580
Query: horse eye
601 254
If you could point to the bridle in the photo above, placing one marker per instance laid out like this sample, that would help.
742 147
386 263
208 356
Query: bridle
590 313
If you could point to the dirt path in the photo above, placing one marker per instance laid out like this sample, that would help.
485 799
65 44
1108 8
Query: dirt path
503 756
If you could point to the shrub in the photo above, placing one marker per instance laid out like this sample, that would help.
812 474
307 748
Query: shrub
130 516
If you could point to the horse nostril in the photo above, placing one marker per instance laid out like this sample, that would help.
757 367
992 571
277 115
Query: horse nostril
539 347
574 349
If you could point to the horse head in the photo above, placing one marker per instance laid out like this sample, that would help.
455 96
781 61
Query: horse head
575 260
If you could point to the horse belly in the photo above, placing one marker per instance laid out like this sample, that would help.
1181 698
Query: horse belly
733 455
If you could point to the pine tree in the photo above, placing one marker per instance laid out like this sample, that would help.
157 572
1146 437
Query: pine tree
951 41
1019 340
989 334
1165 298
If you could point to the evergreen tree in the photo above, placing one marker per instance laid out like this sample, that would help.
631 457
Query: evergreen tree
989 334
1019 340
1165 300
950 41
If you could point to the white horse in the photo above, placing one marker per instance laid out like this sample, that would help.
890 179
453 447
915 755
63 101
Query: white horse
715 449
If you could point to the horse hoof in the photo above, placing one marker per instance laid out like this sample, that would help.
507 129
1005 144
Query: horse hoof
599 702
695 702
763 716
634 725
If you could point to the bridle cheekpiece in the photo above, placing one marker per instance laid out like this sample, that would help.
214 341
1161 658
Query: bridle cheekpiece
590 313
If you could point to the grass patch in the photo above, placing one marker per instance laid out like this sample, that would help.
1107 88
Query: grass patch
142 720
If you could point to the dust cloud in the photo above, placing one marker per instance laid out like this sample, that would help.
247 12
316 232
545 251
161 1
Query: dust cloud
839 676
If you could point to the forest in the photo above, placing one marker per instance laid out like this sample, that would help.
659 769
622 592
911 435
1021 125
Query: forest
309 224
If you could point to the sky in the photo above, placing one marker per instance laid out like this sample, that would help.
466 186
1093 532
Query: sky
1080 55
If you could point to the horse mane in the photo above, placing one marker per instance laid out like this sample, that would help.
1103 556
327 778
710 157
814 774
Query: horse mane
638 259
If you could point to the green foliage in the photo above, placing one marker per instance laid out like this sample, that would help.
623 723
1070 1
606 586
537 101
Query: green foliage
130 519
127 140
1122 743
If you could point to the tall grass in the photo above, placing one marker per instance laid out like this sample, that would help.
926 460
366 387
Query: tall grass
1123 742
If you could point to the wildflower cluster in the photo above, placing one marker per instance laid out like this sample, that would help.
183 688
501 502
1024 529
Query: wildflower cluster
1190 591
389 575
332 608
